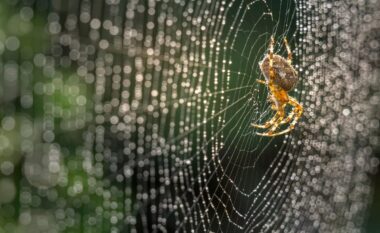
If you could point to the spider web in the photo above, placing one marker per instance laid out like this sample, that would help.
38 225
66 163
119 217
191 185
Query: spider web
162 94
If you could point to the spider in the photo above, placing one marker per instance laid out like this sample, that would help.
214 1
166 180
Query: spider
280 77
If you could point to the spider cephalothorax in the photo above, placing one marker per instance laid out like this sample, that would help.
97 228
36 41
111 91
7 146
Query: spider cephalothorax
280 77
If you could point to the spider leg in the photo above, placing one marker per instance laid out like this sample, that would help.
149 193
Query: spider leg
290 54
271 71
281 113
289 117
298 113
268 123
261 81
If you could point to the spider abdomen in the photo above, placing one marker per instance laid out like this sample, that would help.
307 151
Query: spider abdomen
285 75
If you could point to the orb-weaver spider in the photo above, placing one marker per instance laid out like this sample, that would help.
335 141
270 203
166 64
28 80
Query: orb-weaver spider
280 77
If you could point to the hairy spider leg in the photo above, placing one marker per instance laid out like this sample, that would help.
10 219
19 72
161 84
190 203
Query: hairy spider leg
261 81
281 113
271 71
289 117
291 114
274 118
298 113
268 123
289 51
271 121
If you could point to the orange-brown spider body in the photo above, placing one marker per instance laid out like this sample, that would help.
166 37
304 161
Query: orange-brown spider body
280 77
284 74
